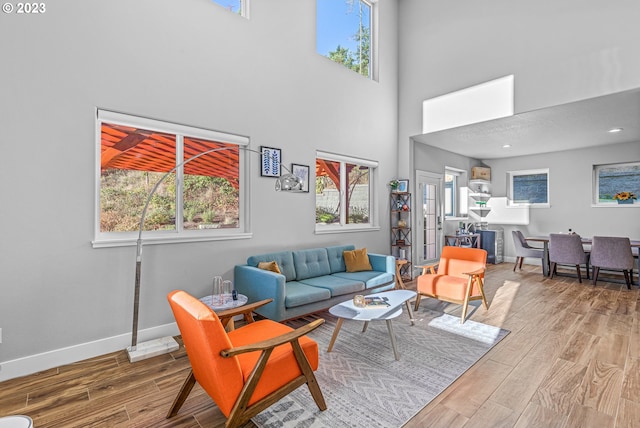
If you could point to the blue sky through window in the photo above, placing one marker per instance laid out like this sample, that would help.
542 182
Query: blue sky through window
232 5
336 23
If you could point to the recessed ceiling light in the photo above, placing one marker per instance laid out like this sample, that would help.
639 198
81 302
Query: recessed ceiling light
506 146
614 130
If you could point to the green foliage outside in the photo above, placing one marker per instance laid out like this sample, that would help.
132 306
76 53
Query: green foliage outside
207 201
357 61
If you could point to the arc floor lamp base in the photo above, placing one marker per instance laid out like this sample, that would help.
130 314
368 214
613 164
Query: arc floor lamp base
152 348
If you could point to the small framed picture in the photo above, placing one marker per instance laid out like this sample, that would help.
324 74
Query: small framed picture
302 172
270 161
403 186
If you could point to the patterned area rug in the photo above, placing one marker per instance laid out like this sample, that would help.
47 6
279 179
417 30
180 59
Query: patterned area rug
364 386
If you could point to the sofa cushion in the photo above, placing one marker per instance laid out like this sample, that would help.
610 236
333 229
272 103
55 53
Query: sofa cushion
370 278
357 260
311 263
299 294
272 266
283 258
336 260
336 285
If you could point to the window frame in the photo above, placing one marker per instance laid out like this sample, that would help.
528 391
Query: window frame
117 239
595 189
372 72
459 194
342 225
510 188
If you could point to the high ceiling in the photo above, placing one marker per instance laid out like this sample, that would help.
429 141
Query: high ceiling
575 125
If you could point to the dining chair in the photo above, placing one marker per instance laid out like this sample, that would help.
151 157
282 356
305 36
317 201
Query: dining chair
523 249
612 253
457 278
248 369
567 249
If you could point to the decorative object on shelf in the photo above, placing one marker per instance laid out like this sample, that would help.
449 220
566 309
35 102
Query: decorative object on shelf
393 184
625 197
270 161
402 223
480 173
136 352
302 172
403 186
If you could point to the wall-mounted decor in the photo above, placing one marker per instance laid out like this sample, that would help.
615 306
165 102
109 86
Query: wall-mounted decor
270 161
302 172
403 186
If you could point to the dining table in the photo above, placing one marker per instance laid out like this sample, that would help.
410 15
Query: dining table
544 239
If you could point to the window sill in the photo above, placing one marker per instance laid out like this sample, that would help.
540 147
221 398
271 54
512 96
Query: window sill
322 229
612 205
164 239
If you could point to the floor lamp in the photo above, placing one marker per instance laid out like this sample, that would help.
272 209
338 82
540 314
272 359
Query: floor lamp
140 351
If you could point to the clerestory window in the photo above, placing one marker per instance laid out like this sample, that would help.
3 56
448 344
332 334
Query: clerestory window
239 7
343 33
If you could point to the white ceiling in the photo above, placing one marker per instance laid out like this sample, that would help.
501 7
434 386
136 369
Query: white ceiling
569 126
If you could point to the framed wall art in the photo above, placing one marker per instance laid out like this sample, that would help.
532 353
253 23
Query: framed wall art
302 172
403 186
270 161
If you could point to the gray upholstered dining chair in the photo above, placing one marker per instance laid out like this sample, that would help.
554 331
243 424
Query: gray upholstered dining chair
612 253
523 249
566 249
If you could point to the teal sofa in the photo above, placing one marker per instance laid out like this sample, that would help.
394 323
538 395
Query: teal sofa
310 280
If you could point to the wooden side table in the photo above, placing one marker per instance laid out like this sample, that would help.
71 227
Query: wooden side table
399 282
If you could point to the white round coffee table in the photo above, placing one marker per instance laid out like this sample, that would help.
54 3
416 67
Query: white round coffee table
348 311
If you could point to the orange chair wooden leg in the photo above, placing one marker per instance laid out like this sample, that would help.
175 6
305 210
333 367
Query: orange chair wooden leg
187 386
465 304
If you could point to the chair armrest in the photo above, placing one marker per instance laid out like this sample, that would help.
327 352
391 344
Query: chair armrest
475 272
431 268
245 310
273 342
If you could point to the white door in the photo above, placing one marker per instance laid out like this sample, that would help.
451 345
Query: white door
429 217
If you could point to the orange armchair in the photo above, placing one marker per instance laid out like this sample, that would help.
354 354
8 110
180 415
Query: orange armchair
248 369
457 279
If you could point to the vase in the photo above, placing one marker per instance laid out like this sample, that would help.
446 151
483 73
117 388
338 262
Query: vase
625 201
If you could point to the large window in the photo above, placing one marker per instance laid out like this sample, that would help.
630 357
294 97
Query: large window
344 192
198 198
615 179
343 33
529 187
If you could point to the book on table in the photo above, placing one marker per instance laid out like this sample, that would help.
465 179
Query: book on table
376 302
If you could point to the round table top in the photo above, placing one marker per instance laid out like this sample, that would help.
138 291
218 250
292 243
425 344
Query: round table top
229 303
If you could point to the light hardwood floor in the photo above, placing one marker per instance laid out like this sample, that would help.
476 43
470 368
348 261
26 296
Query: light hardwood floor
572 360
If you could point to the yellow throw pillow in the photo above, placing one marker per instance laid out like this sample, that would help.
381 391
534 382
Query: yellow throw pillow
272 266
356 260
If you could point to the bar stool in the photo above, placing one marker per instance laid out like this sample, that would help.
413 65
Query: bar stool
18 421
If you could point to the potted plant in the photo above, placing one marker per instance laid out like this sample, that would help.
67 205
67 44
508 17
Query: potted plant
625 197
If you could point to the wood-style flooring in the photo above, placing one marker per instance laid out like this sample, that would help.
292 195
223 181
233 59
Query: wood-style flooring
572 360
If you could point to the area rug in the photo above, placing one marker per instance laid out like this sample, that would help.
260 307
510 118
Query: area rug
364 386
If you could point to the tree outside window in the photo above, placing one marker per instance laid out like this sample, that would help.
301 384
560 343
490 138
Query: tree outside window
343 33
343 193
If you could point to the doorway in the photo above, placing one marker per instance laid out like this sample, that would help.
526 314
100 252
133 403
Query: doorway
429 217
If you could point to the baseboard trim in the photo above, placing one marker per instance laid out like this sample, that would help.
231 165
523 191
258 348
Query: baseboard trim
47 360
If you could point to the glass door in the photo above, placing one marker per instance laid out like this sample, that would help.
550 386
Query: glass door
429 217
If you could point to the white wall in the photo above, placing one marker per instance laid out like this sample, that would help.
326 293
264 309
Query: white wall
558 52
186 62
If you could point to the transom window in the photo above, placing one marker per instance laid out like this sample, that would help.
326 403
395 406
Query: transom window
201 197
615 181
343 33
529 187
344 192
